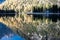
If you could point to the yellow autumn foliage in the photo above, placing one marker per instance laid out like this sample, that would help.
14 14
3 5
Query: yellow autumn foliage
18 5
47 5
46 21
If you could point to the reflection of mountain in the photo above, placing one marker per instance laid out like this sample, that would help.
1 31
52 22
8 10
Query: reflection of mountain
7 33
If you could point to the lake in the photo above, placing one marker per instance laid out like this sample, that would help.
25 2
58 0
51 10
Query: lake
7 34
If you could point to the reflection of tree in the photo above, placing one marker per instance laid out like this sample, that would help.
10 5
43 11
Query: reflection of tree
51 29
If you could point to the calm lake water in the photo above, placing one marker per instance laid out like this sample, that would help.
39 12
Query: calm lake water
7 34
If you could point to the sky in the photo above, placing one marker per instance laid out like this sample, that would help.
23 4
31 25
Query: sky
1 1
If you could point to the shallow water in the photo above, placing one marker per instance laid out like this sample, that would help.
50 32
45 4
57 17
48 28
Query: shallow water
7 34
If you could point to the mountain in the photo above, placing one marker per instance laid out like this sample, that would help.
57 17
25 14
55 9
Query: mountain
24 5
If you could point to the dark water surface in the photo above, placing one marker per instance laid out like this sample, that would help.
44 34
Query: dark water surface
7 34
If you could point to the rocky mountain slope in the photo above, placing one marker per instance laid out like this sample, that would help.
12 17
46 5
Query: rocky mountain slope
24 5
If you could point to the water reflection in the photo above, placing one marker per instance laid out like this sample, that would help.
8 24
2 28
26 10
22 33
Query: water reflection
12 37
7 34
